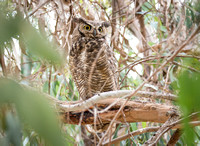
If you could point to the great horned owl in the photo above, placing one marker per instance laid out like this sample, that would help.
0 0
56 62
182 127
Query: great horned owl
91 60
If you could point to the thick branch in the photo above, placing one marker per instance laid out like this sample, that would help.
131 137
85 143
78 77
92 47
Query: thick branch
134 112
114 94
154 73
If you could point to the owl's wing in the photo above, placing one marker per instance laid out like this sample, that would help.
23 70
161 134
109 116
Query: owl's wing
77 66
112 63
78 73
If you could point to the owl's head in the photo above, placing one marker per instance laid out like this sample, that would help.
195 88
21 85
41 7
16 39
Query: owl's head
88 28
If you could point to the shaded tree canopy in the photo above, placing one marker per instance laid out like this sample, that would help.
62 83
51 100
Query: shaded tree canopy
156 45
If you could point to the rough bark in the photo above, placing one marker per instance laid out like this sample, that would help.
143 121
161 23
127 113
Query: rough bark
175 137
134 111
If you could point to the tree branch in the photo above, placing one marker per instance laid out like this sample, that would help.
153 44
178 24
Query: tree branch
175 137
38 7
134 111
149 129
134 133
114 94
154 73
163 129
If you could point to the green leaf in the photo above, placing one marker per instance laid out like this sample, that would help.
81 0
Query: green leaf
189 99
39 46
163 28
9 27
15 26
189 91
146 6
144 124
13 131
116 131
151 43
55 86
33 110
133 126
45 87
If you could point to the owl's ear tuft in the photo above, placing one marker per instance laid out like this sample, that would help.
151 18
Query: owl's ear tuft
78 20
106 24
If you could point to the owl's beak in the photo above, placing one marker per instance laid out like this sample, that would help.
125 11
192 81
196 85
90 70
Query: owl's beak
94 32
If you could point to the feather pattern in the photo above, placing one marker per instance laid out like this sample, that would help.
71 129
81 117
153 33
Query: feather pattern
92 65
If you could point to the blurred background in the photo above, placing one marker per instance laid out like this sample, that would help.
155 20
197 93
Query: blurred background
35 39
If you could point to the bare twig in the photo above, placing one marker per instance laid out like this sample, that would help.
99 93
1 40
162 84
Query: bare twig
184 66
154 73
174 125
134 133
163 129
146 130
37 8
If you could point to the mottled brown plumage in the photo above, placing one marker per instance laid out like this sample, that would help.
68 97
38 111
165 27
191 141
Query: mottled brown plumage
92 61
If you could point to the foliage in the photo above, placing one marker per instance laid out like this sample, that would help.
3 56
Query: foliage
33 111
189 102
21 108
35 42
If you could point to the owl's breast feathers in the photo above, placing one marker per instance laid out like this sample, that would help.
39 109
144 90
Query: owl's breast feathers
93 66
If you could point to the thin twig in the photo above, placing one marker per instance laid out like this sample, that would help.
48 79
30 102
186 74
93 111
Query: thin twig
154 73
37 8
134 133
184 66
163 129
175 125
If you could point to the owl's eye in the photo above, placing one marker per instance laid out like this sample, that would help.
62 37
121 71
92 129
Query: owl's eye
100 29
87 27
